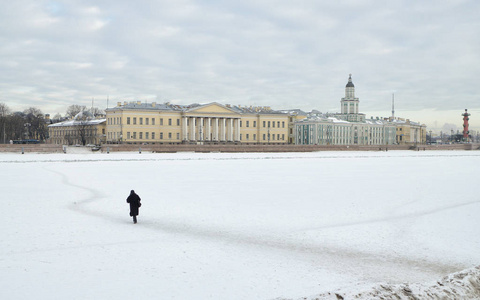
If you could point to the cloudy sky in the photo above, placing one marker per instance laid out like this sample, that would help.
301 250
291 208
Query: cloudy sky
283 54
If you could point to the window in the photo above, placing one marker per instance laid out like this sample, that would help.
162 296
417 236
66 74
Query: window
134 135
128 120
178 122
153 121
146 134
273 137
264 135
278 124
140 135
178 134
254 137
169 122
134 121
247 135
269 124
254 123
248 125
169 135
240 123
161 121
278 136
141 121
273 124
240 136
161 135
283 124
264 124
153 133
128 135
146 121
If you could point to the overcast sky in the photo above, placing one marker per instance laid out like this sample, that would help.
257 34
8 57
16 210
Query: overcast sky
283 54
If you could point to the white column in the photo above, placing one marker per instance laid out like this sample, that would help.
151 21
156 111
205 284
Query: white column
222 129
230 130
184 129
201 130
208 129
192 129
215 129
237 130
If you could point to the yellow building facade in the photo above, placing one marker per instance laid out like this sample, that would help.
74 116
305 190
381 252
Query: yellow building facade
137 122
75 132
410 133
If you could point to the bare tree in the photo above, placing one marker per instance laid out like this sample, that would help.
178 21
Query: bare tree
15 126
35 125
57 118
74 109
4 112
97 111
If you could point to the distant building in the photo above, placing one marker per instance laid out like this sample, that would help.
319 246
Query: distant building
349 127
83 129
408 132
137 122
294 115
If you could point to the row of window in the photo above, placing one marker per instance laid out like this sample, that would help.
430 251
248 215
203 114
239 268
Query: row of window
77 131
148 121
133 121
266 137
151 135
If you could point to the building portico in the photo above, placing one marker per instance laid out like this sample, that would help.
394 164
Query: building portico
210 128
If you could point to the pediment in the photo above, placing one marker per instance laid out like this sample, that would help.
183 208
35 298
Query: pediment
212 108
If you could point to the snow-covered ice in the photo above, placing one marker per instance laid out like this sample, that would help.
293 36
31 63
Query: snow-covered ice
236 225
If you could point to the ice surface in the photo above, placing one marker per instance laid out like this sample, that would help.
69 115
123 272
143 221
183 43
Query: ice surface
234 226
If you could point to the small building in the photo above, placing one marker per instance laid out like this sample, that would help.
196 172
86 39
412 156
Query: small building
409 133
83 129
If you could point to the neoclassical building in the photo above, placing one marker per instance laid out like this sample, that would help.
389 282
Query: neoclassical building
137 122
409 132
83 129
346 128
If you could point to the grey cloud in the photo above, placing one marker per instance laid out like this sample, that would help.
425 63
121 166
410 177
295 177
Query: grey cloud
276 53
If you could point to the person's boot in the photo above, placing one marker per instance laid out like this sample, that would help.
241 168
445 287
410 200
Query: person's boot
135 219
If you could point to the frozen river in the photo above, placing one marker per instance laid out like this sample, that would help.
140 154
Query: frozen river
234 226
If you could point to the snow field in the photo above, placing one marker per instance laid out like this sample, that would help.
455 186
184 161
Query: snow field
236 226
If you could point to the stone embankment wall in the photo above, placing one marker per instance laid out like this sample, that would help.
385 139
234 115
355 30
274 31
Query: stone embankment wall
276 148
157 148
31 148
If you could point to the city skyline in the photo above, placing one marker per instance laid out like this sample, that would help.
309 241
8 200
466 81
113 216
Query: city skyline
276 54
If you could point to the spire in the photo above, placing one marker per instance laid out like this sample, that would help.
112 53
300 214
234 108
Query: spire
350 83
393 106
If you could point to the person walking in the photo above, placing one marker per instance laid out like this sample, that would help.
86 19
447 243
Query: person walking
134 201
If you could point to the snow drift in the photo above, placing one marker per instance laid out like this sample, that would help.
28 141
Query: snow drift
460 285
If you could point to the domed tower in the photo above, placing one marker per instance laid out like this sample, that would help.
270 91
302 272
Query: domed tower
349 104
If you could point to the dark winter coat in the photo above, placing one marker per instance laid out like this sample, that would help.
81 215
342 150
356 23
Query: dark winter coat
134 201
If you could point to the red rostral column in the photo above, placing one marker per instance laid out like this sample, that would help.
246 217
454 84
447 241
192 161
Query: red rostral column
465 124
